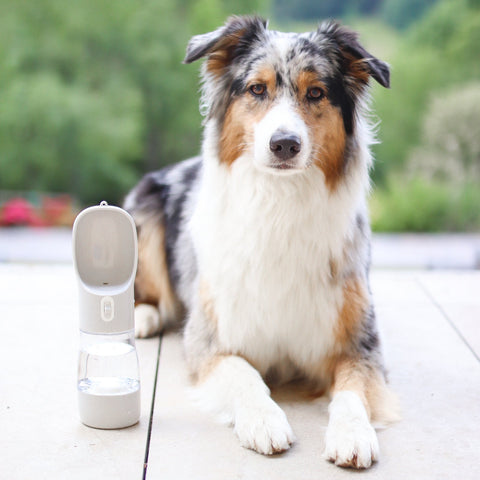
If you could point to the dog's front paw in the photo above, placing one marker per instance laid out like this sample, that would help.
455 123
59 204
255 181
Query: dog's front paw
264 428
350 440
351 444
147 320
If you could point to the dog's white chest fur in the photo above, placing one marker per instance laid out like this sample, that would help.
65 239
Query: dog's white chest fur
264 245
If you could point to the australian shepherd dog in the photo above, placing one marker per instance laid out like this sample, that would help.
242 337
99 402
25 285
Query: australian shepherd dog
262 243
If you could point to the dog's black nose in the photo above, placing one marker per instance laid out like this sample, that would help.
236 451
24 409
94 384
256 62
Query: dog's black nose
285 145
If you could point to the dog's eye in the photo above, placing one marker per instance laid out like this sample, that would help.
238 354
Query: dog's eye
314 93
258 89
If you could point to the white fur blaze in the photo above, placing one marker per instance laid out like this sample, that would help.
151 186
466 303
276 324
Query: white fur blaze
350 440
284 118
236 393
147 321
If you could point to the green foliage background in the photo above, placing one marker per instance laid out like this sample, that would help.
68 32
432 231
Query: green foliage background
438 55
93 94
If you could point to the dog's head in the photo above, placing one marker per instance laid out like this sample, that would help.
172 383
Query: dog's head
287 100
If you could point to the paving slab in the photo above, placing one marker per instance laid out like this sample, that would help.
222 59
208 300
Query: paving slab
437 379
41 436
458 297
434 374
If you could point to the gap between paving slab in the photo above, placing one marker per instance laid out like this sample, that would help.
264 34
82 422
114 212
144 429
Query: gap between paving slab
450 322
152 411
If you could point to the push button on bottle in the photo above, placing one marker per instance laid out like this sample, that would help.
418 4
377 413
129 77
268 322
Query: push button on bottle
106 309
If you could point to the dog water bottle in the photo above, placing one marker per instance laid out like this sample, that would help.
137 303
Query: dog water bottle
105 258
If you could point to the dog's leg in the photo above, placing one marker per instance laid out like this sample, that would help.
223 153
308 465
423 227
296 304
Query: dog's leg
231 388
351 440
157 301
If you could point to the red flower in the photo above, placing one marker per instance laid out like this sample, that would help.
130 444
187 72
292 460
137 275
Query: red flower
19 211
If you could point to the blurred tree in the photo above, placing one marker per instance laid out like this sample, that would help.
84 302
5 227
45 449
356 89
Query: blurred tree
315 10
398 13
415 72
401 13
93 93
450 147
62 138
429 156
365 7
453 28
439 52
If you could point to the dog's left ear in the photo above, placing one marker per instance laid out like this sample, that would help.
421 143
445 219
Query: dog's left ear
224 44
358 63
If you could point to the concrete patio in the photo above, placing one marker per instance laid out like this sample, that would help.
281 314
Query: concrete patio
431 328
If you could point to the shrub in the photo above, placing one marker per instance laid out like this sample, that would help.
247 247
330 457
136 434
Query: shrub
421 206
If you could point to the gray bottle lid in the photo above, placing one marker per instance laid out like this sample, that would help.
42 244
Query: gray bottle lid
105 259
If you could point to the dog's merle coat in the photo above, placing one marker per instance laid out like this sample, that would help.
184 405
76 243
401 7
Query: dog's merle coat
263 241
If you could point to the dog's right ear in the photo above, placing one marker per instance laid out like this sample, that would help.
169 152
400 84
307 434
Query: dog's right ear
225 43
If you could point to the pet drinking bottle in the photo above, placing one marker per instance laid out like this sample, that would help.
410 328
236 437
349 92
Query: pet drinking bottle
105 258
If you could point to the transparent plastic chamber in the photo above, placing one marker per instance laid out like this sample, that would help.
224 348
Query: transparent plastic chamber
108 380
105 258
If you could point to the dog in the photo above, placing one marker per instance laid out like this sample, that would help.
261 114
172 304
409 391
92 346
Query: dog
262 243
